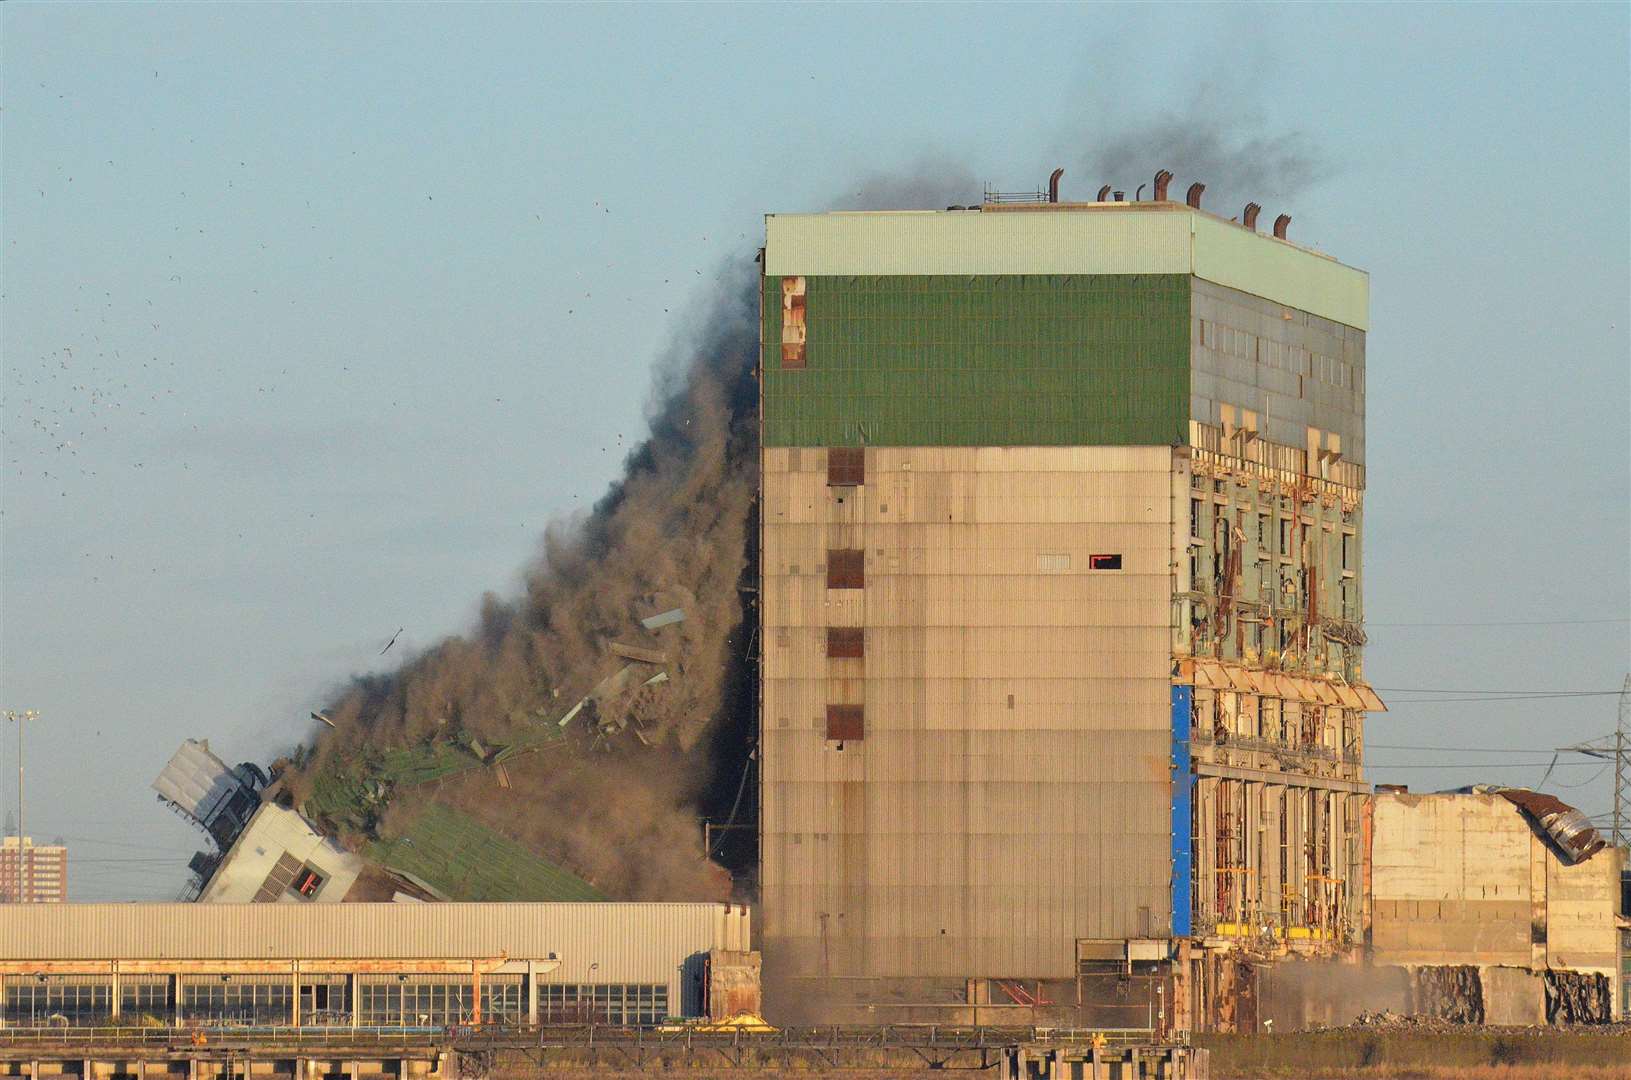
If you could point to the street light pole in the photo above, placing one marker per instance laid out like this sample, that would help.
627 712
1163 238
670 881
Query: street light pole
17 717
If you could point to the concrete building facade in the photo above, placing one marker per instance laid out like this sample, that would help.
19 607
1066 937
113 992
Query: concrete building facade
372 965
1476 880
32 873
1060 601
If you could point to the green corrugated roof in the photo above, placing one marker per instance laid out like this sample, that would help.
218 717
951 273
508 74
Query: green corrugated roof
464 860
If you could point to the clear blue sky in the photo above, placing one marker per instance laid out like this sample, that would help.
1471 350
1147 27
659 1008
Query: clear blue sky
314 316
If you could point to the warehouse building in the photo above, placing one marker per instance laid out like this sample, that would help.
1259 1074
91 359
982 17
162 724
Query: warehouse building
371 965
1061 607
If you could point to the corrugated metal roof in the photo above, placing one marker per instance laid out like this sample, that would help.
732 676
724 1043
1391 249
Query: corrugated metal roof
625 942
1139 238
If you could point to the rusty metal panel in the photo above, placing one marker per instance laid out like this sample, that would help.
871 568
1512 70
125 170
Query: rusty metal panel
846 568
846 466
793 326
846 641
846 722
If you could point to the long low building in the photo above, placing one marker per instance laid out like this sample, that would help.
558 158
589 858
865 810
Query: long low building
370 964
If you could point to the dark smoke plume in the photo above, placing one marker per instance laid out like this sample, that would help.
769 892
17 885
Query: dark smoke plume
620 804
1217 140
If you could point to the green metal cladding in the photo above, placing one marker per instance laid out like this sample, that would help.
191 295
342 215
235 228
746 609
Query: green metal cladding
1005 360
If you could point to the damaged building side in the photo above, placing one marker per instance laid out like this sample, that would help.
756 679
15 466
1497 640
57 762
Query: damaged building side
1061 605
1512 888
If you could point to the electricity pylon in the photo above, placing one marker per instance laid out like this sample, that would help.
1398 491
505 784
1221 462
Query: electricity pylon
1615 749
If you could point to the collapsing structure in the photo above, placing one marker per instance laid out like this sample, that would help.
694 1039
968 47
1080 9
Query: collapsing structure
1062 515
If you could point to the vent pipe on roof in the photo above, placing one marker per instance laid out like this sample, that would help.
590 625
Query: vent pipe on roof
1138 196
1249 218
1104 193
1194 196
1280 225
1053 185
1162 179
1121 196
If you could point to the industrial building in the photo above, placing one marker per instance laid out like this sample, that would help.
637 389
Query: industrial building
371 965
32 873
1061 606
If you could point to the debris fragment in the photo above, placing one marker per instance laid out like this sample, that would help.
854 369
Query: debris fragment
502 774
666 618
388 644
635 652
660 677
324 719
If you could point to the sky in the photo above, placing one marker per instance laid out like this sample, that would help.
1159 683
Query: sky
312 317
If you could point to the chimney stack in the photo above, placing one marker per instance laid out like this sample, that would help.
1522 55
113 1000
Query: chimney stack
1162 179
1194 196
1280 224
1053 185
1249 218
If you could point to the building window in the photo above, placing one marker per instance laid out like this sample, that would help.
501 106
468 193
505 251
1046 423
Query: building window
145 1001
846 466
324 1004
846 568
846 642
415 1000
627 1004
846 723
57 1001
1104 562
225 998
307 883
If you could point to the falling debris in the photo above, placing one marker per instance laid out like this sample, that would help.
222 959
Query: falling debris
324 719
666 618
388 644
634 652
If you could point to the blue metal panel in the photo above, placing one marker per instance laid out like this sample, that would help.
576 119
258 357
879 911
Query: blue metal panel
1183 786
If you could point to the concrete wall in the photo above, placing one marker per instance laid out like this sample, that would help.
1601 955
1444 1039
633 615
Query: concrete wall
1466 879
1012 792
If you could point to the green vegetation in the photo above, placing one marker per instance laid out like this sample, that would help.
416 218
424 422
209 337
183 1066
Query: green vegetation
352 793
464 860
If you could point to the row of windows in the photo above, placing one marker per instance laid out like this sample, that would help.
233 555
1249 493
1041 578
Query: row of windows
1279 355
37 1004
54 1002
626 1003
258 1003
394 1003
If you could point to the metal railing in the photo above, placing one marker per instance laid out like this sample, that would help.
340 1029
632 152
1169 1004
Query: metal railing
674 1036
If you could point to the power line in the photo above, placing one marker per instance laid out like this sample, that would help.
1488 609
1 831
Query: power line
1474 764
1508 622
1461 749
1479 690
